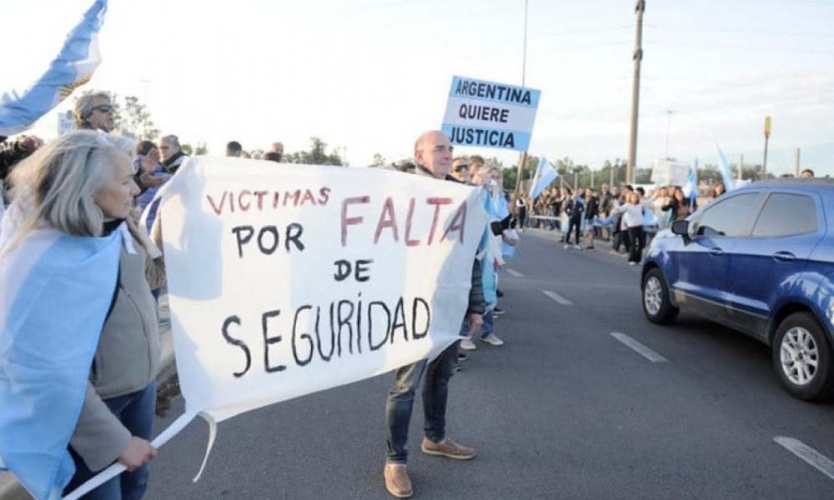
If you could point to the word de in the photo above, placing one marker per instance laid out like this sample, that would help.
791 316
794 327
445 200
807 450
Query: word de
343 268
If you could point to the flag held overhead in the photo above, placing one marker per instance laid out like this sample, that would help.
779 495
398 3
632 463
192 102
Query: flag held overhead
73 67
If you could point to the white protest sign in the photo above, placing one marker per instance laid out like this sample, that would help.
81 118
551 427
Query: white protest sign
669 173
285 279
481 113
66 123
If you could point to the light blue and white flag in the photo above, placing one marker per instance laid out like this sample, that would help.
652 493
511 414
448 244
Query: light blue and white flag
73 67
691 186
729 182
545 174
55 291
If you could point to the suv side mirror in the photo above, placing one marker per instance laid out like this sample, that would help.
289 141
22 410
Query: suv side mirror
681 228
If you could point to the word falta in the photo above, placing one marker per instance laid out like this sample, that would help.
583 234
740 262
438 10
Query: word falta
325 332
389 218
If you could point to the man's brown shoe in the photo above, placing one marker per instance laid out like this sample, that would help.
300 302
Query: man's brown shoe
397 482
447 448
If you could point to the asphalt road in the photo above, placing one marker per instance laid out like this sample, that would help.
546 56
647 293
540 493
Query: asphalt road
586 400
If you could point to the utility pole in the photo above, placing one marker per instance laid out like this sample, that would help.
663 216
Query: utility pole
740 167
797 162
637 56
767 138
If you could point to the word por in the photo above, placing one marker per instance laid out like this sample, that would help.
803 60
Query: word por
341 329
246 200
268 238
388 219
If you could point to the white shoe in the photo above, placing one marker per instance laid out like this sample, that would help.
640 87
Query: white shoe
467 345
576 247
567 247
492 339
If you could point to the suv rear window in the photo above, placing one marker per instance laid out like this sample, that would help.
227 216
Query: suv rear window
786 214
726 217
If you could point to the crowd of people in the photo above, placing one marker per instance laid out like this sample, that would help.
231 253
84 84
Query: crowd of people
90 185
624 216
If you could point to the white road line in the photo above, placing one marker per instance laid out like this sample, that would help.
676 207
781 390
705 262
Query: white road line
640 348
811 456
558 298
515 273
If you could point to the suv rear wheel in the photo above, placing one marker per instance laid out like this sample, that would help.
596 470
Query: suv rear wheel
802 357
656 304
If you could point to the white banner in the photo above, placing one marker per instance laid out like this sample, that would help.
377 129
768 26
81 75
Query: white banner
289 279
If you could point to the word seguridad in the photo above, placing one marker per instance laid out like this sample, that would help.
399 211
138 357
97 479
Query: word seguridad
341 328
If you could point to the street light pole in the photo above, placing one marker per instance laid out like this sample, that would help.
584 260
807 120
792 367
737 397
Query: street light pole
637 56
523 160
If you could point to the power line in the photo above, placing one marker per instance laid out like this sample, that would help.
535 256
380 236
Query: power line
744 31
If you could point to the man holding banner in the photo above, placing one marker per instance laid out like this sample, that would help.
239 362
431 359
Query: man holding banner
433 155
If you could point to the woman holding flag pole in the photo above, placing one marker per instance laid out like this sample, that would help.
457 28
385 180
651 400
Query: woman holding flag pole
79 346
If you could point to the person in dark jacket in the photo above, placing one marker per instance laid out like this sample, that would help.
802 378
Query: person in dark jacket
591 212
171 153
12 153
433 155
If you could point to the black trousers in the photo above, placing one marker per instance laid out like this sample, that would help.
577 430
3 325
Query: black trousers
635 236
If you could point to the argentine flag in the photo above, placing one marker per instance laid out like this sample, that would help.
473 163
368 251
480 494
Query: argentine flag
55 291
690 188
73 67
545 174
729 182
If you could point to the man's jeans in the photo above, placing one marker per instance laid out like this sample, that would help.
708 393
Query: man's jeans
435 394
136 412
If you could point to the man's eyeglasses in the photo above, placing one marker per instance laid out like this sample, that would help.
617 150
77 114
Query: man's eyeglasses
104 108
461 168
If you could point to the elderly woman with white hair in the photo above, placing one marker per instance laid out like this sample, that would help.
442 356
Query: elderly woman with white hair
79 346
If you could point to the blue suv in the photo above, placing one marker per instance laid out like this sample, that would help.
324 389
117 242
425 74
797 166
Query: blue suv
760 260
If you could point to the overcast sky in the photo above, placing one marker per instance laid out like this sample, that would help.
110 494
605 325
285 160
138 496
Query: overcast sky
370 75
